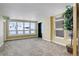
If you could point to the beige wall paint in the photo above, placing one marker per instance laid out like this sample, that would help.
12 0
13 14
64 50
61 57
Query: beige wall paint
62 41
46 29
47 32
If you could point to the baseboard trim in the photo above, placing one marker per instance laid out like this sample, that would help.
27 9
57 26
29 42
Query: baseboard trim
59 43
2 47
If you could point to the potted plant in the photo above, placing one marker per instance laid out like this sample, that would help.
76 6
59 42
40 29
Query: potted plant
68 24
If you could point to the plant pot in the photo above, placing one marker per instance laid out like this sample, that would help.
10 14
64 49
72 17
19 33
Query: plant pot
69 49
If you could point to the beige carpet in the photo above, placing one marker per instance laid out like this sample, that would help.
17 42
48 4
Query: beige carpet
33 47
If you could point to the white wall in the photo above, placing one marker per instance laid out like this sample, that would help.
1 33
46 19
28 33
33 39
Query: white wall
19 11
1 32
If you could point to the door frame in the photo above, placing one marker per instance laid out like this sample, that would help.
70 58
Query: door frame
75 33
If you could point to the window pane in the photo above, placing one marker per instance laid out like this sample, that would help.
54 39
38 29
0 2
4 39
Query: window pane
19 25
12 25
26 32
60 33
26 25
33 26
60 24
12 32
32 32
20 32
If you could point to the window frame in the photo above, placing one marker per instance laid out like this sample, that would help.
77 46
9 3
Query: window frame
23 27
59 20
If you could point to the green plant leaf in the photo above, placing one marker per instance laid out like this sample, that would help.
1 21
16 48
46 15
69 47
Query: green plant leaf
68 17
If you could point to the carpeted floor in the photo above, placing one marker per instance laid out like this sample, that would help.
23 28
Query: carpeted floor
33 47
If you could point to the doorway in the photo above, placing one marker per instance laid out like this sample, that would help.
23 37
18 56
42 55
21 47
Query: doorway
40 30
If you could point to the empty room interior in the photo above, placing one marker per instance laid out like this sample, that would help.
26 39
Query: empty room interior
38 29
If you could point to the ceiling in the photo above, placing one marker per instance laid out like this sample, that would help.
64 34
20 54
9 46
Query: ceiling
32 10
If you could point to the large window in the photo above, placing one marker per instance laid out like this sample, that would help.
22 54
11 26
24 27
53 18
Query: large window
59 27
21 28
